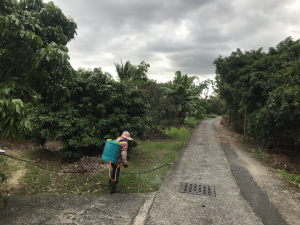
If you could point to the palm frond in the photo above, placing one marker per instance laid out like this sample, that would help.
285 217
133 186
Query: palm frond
123 71
127 70
119 71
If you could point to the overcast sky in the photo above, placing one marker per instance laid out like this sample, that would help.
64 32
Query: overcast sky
171 35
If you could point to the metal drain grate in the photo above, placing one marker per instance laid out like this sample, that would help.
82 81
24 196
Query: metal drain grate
197 189
204 144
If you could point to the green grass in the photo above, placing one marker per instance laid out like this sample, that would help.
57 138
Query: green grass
37 177
146 156
191 122
177 135
292 177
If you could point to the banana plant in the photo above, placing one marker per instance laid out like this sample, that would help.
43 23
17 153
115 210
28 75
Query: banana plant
183 92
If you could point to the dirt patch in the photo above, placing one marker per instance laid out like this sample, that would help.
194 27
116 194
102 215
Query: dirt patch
15 179
282 161
14 182
91 164
280 157
7 143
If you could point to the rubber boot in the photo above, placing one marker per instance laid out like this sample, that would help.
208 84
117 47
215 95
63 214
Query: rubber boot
113 188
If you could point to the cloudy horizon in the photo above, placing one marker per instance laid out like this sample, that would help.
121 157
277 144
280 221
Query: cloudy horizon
175 35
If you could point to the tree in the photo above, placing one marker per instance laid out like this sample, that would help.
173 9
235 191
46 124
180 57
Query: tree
131 73
266 86
139 73
98 108
183 91
33 60
162 109
123 71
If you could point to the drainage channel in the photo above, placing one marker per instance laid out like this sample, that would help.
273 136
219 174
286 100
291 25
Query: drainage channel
197 189
204 144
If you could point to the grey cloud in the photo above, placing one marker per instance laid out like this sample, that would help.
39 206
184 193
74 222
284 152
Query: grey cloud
175 35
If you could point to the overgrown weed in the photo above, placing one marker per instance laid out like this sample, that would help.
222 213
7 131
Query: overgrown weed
191 122
292 177
178 135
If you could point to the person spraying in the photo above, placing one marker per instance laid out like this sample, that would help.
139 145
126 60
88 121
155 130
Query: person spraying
121 160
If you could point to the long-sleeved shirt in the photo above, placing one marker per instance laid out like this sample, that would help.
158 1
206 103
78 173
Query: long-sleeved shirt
122 156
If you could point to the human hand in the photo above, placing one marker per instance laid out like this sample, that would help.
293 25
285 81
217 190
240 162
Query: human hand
125 165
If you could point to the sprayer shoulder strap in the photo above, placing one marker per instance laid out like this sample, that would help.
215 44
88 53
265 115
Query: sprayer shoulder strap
121 140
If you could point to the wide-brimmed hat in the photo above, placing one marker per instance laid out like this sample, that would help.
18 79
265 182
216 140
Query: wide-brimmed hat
126 135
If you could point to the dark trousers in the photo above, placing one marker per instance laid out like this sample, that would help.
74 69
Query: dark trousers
113 184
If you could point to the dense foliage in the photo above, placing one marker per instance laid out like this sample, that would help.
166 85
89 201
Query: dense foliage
183 90
43 97
212 105
267 86
33 59
98 109
162 109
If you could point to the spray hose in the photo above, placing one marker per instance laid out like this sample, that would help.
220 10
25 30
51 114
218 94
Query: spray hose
115 173
82 172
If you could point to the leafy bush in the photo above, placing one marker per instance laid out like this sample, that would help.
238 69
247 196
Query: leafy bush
200 112
97 109
266 85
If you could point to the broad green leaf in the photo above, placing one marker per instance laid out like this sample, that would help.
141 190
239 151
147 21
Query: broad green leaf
11 121
6 90
18 109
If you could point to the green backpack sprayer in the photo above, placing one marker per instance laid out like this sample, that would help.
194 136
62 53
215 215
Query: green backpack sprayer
110 154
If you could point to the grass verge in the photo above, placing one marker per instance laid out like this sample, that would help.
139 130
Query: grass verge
146 156
292 177
191 122
262 153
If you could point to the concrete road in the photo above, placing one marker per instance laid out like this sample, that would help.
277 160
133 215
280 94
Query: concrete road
239 199
42 209
248 192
